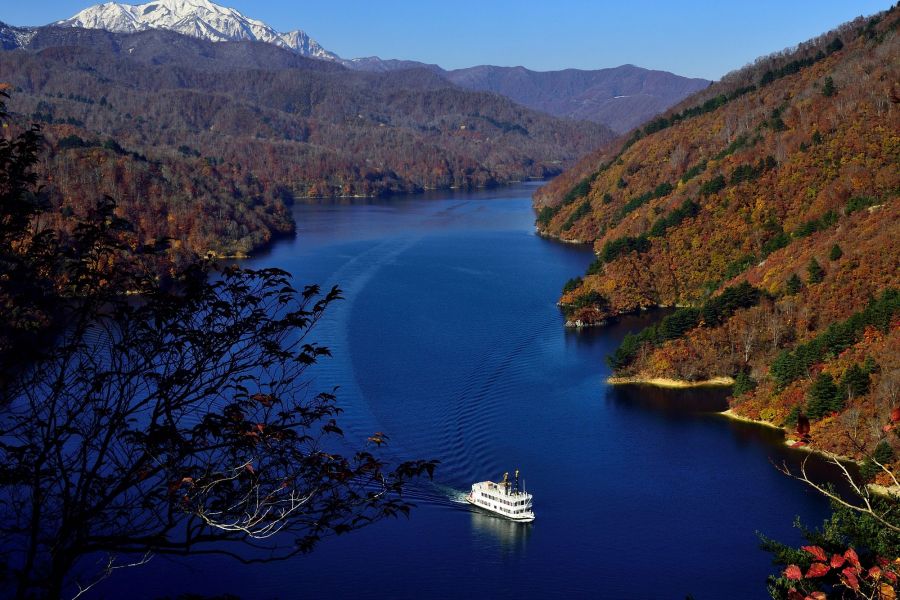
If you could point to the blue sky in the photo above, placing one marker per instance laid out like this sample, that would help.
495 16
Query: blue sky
695 38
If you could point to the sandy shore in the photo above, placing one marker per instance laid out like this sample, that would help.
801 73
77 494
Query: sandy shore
730 414
671 383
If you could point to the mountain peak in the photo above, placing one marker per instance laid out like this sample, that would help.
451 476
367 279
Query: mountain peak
197 18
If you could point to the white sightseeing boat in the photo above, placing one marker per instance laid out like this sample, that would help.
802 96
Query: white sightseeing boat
504 499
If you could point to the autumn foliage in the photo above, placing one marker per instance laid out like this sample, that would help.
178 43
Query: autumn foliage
208 143
756 181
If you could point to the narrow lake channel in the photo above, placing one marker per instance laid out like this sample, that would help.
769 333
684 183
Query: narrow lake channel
449 341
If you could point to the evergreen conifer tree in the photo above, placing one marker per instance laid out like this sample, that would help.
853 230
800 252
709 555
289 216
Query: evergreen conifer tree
815 271
855 382
794 285
823 397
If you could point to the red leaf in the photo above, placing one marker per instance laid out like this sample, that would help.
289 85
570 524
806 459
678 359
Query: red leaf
817 596
890 575
817 569
850 555
249 468
817 553
875 573
793 572
837 561
794 595
850 579
895 414
264 399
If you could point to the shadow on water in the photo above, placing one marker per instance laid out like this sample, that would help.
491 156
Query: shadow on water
672 403
706 405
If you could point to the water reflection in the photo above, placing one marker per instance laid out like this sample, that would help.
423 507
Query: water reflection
704 406
669 402
511 536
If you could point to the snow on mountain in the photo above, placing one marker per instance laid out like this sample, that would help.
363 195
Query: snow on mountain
15 37
197 18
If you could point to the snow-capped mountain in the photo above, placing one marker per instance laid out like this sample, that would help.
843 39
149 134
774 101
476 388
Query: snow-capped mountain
197 18
15 37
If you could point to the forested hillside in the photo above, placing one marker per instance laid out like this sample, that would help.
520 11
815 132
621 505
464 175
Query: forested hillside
621 98
765 209
207 143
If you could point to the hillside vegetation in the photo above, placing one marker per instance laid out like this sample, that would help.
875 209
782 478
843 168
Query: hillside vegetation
207 143
620 98
765 209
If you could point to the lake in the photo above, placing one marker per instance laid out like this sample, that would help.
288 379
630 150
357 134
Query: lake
449 341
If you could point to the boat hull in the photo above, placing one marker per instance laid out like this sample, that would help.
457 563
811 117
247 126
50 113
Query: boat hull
527 519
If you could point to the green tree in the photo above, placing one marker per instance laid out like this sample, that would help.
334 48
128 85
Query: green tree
823 397
881 457
571 285
815 271
853 554
870 366
836 253
793 285
855 382
743 383
828 89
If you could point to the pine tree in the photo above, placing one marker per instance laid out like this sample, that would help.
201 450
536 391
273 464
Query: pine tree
870 366
823 397
855 382
794 285
883 454
836 253
828 90
815 271
743 383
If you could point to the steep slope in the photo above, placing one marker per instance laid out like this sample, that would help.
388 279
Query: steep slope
249 126
197 18
766 208
621 98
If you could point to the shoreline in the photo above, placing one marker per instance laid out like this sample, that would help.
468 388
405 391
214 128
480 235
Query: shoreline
665 382
789 441
730 414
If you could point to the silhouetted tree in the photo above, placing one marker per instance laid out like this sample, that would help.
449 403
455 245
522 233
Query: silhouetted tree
169 414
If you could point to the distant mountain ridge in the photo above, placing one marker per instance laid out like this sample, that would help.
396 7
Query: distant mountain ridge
207 142
620 98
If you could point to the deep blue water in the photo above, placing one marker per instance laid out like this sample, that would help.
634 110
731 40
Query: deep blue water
449 340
